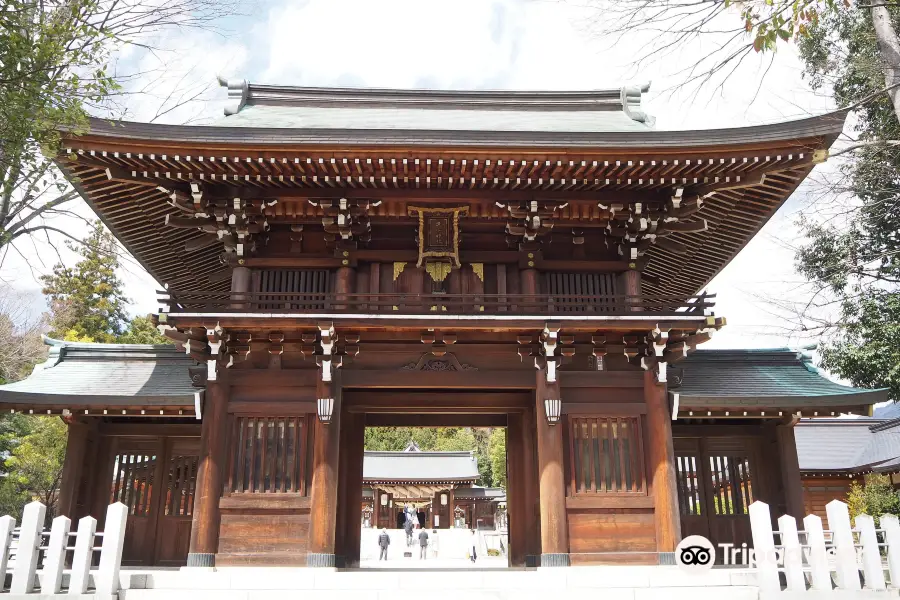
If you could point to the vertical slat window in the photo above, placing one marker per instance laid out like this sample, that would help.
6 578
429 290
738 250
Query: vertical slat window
266 455
580 292
308 289
133 481
688 488
731 483
606 455
181 484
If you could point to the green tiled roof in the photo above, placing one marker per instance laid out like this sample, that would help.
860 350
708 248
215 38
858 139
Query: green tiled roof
80 374
774 378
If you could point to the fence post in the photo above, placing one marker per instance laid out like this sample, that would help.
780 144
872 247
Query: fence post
107 579
891 526
871 555
55 556
81 559
27 551
792 553
844 549
7 524
764 547
819 571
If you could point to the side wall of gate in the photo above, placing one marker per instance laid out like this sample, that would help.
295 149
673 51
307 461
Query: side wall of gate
149 467
722 468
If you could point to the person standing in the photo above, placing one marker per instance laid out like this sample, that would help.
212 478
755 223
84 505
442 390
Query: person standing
408 528
423 544
474 554
434 543
384 540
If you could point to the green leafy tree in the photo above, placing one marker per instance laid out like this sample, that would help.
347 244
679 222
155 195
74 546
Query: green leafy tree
35 467
876 497
141 330
853 259
442 439
87 300
497 453
57 65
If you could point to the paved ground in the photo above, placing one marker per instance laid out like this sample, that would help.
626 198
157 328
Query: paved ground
399 562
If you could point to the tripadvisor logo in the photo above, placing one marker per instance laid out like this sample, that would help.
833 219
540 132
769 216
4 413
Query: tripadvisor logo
695 553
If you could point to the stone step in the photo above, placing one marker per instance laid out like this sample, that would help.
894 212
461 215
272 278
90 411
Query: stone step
242 583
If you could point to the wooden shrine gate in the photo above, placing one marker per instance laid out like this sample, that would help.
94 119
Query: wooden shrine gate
716 486
158 529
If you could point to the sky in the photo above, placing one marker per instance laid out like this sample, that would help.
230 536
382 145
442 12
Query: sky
477 44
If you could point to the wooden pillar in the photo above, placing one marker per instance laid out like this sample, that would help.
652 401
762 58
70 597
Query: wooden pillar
790 470
517 500
630 285
210 475
72 472
551 480
240 282
529 285
343 284
661 460
349 515
323 494
530 481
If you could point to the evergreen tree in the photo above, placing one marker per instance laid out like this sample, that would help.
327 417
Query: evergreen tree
141 330
87 302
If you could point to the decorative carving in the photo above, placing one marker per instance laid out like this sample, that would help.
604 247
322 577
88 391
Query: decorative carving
346 222
237 223
447 362
478 269
634 228
532 219
438 270
398 268
438 233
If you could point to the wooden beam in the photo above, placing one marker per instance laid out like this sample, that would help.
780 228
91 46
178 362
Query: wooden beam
495 380
435 420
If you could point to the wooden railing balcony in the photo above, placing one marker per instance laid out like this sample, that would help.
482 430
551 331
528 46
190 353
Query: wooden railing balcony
486 304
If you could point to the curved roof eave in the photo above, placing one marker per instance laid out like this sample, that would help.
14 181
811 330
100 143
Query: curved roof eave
828 126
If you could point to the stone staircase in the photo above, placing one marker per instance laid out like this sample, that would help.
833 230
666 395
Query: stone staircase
575 583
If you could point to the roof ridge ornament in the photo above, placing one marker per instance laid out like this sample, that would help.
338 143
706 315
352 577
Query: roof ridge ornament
631 103
238 93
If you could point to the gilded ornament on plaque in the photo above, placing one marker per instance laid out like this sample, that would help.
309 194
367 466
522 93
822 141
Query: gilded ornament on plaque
438 232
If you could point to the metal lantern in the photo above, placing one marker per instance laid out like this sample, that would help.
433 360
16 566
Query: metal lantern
443 499
325 408
553 408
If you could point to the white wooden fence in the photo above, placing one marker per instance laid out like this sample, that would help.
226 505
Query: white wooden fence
26 552
843 557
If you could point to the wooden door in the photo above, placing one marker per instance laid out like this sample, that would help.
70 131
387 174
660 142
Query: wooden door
715 487
174 516
137 466
155 478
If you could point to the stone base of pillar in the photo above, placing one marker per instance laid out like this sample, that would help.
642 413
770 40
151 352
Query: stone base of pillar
555 560
667 558
201 559
315 559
